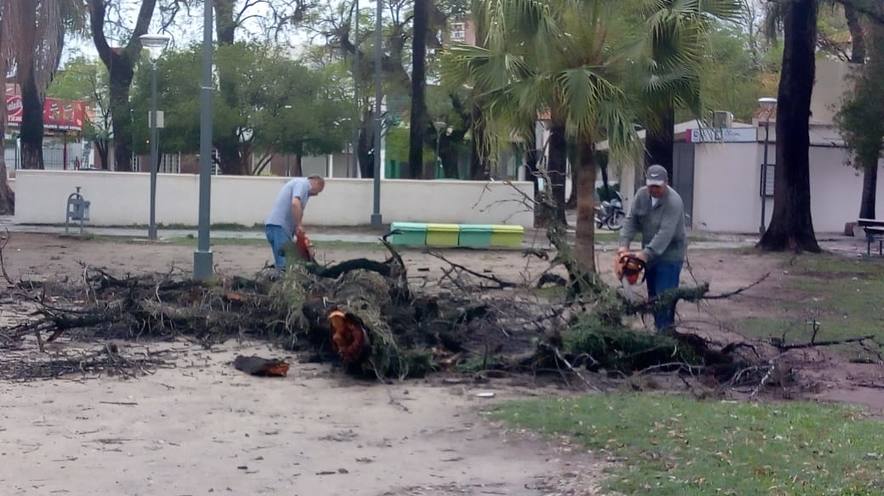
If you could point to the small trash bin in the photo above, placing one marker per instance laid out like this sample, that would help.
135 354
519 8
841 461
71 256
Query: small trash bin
77 210
408 234
442 235
475 236
507 236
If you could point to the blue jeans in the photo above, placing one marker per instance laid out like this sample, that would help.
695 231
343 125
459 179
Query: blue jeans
662 276
280 241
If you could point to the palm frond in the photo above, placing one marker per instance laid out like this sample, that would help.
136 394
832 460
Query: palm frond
582 92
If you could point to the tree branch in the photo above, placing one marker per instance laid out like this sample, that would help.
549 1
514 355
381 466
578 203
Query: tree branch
97 14
501 283
831 342
864 8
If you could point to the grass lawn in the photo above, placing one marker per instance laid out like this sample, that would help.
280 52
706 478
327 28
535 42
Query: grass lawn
845 296
672 445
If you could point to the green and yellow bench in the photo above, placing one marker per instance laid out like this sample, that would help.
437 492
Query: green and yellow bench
456 235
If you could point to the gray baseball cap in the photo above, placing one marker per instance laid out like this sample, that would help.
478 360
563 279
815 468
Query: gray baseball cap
656 175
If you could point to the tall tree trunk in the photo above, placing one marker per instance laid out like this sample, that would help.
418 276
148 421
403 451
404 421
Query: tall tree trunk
102 148
365 147
479 153
120 63
531 158
32 120
233 159
869 87
120 80
606 185
7 197
791 226
857 35
870 187
556 168
573 158
585 237
225 25
419 119
448 153
297 167
659 139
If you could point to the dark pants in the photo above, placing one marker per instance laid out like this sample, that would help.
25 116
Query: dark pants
280 242
660 277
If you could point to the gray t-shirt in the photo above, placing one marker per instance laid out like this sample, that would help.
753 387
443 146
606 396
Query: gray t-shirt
281 214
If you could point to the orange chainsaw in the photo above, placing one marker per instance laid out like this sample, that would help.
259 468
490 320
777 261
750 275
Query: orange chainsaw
304 247
631 267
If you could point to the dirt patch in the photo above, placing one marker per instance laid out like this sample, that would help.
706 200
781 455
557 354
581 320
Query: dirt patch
206 428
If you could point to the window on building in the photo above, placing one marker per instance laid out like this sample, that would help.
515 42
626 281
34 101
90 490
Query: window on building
458 31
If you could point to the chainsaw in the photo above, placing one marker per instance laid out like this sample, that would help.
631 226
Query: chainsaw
304 247
631 268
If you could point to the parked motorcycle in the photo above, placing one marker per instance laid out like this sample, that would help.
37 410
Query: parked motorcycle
610 214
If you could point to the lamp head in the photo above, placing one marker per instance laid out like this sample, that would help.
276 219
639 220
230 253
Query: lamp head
155 44
767 103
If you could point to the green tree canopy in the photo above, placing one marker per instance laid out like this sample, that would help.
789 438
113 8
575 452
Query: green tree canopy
280 105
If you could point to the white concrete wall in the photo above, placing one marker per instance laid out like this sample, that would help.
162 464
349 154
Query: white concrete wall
832 82
122 199
836 189
727 180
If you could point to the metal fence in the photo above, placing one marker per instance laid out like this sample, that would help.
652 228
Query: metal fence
56 155
169 163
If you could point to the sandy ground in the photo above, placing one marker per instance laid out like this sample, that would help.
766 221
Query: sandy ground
205 428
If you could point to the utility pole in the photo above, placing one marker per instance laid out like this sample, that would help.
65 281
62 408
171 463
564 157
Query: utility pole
376 219
202 257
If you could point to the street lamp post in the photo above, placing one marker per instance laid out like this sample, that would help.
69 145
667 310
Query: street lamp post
768 104
202 257
376 219
155 44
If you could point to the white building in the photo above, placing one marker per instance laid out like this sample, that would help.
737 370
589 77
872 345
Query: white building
718 172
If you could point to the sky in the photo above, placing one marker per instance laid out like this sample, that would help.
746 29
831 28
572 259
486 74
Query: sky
185 31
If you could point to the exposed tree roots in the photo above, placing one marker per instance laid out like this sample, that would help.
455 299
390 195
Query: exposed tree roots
363 315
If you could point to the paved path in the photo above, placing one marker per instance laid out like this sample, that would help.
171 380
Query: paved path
351 235
360 234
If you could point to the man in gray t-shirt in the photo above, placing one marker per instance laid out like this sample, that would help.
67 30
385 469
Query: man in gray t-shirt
285 220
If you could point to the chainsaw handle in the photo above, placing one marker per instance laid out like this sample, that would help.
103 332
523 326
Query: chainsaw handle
629 258
631 266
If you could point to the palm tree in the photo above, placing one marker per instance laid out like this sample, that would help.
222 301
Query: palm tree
673 57
558 57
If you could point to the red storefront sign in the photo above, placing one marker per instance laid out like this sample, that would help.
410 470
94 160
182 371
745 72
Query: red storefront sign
57 114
